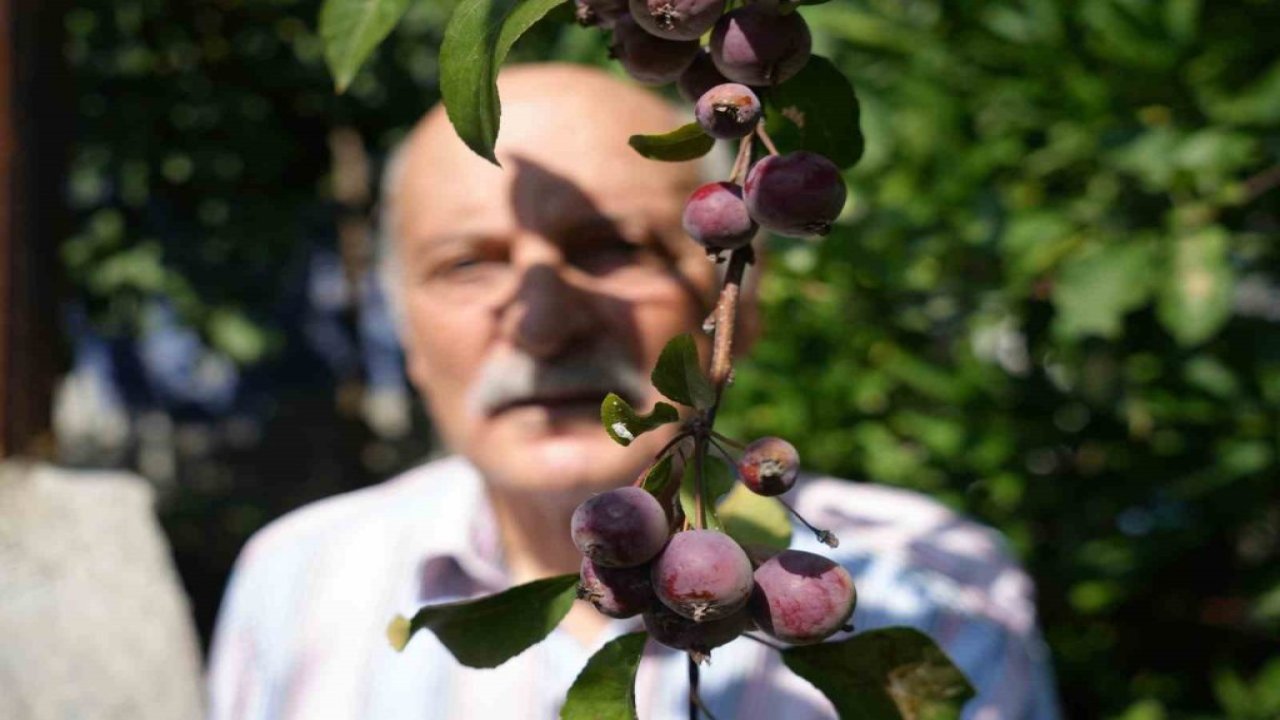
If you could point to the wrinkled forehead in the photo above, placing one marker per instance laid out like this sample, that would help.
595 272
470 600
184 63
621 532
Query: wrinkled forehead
562 150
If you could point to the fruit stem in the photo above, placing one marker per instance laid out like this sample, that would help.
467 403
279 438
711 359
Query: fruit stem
742 162
764 642
693 689
700 481
728 440
826 537
764 138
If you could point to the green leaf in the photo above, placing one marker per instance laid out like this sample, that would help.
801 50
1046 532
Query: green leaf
1097 288
753 519
719 480
895 673
1196 297
684 143
476 43
658 477
606 687
817 111
624 424
679 375
489 631
351 29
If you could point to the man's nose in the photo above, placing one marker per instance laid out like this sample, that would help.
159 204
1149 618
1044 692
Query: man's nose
547 314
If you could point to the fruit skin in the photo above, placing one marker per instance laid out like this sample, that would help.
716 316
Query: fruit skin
616 592
699 77
648 58
769 466
798 194
677 19
802 598
620 528
728 111
756 45
599 13
699 638
716 217
702 575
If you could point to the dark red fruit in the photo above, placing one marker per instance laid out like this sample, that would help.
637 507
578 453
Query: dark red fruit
769 466
599 13
797 194
616 592
716 217
677 19
699 77
648 58
756 45
728 111
802 598
699 638
702 575
620 528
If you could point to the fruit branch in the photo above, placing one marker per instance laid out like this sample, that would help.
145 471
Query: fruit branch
726 316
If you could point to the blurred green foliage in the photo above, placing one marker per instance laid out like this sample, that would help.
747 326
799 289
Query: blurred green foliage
1052 301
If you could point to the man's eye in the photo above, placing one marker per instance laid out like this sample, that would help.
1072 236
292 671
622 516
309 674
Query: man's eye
467 268
607 254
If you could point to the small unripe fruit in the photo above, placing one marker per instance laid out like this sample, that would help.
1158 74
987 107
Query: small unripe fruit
728 111
698 638
769 466
616 592
599 13
802 598
699 77
797 194
756 45
648 58
716 217
702 575
677 19
620 528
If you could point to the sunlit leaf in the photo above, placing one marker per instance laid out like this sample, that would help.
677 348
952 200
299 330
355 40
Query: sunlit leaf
718 478
489 631
753 519
624 424
476 42
679 376
352 29
606 687
684 143
895 673
1196 297
1095 290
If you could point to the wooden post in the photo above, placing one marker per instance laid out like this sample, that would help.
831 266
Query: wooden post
33 118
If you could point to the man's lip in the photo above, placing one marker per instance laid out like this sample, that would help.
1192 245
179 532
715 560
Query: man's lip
554 399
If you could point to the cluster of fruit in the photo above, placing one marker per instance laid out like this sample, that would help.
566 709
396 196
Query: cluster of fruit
696 588
758 45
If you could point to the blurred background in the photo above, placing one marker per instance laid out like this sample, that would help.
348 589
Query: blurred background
1053 302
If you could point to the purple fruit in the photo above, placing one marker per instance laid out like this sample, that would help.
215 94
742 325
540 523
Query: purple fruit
599 13
698 638
616 592
797 194
648 58
716 217
677 19
756 45
702 575
699 77
728 111
802 598
620 528
769 466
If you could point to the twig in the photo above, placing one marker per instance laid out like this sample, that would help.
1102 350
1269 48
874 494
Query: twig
826 537
724 453
679 436
695 699
742 162
728 440
726 315
700 481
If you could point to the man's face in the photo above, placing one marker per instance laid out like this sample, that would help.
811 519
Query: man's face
531 291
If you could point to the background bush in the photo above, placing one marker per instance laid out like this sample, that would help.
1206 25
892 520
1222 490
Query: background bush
1052 302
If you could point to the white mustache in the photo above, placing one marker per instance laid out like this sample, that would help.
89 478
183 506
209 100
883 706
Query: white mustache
517 377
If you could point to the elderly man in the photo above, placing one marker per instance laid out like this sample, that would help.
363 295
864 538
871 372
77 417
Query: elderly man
527 293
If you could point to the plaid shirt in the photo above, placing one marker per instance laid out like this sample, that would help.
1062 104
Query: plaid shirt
301 634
